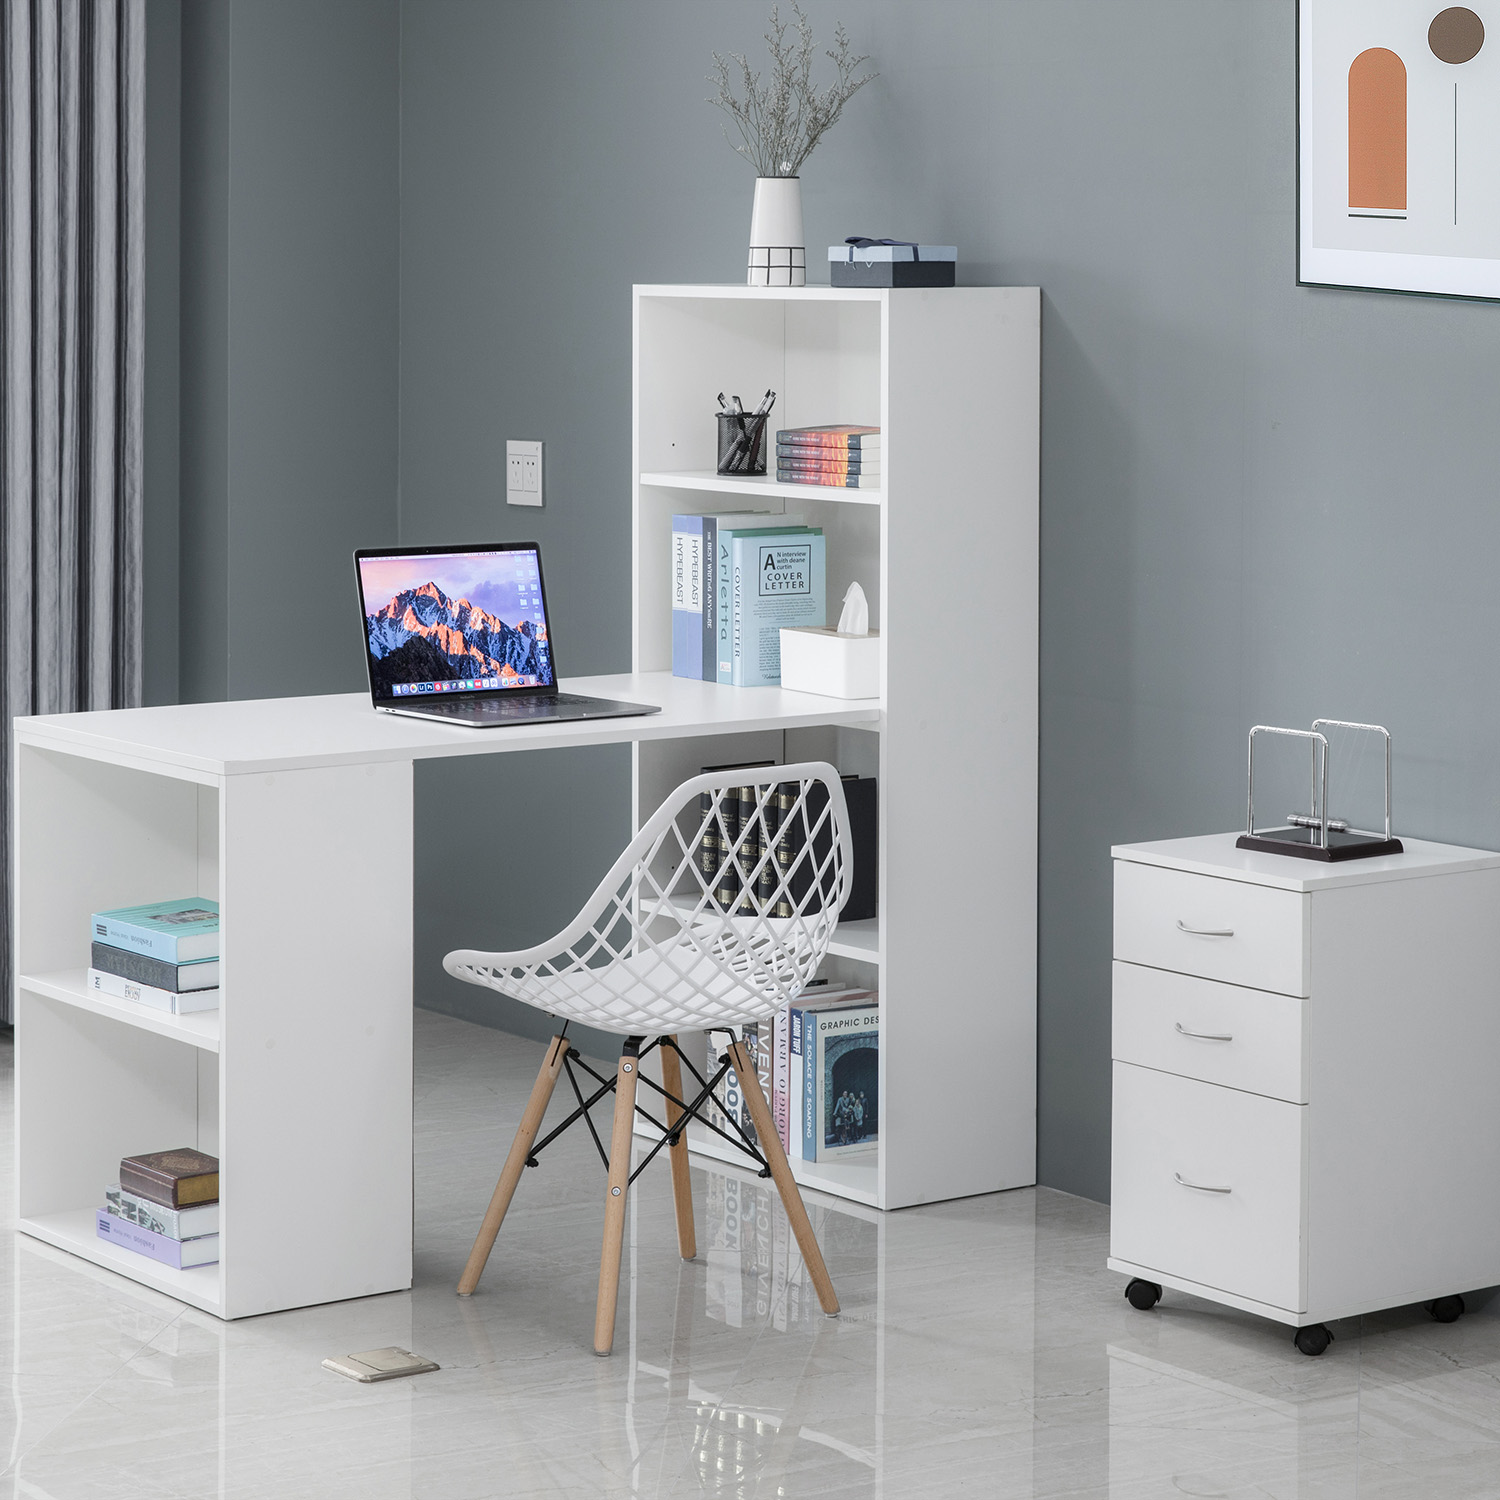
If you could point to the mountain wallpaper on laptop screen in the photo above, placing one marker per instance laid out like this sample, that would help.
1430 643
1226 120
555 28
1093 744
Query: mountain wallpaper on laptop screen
424 636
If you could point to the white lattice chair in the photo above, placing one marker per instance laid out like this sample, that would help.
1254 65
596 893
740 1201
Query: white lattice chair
717 915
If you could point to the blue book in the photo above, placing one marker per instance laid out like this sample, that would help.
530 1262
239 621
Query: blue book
723 584
687 597
718 532
777 580
712 524
177 932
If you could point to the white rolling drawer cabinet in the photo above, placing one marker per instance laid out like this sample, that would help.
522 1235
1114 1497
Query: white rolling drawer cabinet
1306 1110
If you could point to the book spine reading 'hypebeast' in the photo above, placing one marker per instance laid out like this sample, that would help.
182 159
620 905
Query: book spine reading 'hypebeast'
687 596
776 581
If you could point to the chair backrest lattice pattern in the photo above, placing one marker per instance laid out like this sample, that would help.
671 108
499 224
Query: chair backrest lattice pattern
718 913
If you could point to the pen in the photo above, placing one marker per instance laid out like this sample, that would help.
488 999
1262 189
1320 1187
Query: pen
767 402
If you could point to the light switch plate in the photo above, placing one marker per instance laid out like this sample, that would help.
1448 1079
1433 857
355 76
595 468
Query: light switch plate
523 472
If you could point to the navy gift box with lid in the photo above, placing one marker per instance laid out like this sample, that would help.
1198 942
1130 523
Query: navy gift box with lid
892 265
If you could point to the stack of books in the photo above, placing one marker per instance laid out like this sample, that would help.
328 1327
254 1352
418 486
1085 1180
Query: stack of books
818 1061
165 1205
165 955
736 580
846 457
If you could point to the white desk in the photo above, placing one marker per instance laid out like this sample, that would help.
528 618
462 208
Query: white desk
298 813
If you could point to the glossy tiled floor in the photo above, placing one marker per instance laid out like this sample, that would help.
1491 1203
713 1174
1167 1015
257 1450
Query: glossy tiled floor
983 1351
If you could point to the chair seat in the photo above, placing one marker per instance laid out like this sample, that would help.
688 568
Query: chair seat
736 973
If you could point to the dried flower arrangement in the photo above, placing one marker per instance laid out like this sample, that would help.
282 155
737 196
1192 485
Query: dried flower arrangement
781 122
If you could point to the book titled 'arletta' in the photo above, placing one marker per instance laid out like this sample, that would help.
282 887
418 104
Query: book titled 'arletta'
176 1179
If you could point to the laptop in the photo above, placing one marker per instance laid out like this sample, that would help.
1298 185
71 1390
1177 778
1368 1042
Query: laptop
461 635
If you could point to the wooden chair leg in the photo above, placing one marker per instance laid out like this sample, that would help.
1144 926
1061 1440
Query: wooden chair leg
682 1182
781 1174
614 1200
515 1164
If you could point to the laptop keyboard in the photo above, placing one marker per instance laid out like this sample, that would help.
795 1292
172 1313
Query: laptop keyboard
554 707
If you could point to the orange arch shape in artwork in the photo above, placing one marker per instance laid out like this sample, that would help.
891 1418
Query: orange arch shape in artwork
1377 130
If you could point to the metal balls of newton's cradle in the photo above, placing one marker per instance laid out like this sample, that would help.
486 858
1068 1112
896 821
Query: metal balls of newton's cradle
1456 35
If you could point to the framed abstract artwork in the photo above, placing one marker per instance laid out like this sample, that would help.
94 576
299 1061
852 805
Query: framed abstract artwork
1398 146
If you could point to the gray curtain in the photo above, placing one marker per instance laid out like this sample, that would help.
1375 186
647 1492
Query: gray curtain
72 143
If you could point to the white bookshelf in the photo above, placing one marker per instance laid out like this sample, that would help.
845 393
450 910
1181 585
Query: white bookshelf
947 553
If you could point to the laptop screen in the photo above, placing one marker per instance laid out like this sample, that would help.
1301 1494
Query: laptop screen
444 620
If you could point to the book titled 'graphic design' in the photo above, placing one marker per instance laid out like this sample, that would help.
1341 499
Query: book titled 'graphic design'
176 932
181 1255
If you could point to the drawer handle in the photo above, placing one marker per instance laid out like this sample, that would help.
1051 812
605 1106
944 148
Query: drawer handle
1204 931
1203 1036
1199 1187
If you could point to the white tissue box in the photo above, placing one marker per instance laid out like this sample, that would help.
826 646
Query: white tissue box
817 659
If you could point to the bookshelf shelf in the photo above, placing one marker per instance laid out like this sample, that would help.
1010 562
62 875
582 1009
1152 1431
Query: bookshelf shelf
857 940
853 1177
73 1231
946 552
70 986
763 486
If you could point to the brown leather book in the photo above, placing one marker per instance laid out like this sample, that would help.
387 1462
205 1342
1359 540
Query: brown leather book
176 1179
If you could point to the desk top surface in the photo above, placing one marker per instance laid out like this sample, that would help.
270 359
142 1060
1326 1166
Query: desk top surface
1215 854
274 734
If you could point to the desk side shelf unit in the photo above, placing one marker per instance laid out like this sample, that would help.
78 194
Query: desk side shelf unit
946 550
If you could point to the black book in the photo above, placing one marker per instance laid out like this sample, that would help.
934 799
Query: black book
141 968
751 836
862 796
722 832
707 852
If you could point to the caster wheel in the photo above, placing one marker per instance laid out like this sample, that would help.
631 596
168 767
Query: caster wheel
1312 1340
1143 1295
1447 1309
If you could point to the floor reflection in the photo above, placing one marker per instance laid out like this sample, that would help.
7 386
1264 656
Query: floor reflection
983 1349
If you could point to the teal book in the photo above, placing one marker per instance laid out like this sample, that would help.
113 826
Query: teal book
176 932
724 586
776 581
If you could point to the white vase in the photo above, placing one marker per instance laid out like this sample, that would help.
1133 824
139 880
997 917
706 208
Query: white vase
777 255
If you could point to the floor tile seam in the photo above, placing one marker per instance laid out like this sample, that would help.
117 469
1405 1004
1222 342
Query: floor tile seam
21 1454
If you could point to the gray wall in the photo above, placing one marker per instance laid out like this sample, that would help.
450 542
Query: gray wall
289 372
1260 502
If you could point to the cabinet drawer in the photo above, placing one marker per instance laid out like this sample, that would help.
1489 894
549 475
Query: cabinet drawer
1218 929
1220 1033
1247 1240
